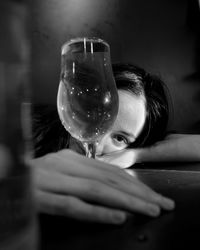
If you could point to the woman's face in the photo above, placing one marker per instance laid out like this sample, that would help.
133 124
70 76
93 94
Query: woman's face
128 125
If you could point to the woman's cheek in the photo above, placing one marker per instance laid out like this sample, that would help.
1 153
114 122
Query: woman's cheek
116 159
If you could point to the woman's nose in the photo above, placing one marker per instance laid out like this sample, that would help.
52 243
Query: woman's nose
102 145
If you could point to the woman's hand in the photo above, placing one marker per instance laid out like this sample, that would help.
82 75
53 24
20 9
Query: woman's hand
69 184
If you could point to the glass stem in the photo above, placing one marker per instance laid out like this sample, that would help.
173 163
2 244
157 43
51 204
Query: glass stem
90 148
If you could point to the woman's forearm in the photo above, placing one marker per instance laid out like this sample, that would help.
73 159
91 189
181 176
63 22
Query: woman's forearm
175 147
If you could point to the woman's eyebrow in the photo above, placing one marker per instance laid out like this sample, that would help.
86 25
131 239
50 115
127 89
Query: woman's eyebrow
128 134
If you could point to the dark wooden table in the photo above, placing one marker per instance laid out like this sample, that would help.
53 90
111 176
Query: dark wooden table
179 229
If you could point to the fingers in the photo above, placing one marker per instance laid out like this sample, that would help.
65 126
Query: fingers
129 157
98 192
139 189
75 208
119 179
142 190
136 188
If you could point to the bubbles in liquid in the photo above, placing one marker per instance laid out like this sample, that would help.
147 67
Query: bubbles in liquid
85 120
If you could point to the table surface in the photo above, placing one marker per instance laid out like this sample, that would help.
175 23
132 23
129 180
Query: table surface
179 229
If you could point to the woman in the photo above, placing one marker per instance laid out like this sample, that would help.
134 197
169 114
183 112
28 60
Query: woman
142 105
67 183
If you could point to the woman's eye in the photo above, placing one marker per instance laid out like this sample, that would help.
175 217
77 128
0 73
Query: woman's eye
120 140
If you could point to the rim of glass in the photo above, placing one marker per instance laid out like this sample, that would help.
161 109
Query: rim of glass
81 39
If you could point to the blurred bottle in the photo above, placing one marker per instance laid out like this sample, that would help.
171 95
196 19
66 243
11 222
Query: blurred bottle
18 230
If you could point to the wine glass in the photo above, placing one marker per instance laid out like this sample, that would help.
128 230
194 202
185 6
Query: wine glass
87 99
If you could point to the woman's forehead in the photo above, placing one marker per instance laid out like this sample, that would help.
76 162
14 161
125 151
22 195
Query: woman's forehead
132 113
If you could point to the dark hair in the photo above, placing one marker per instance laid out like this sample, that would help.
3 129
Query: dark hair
49 135
136 80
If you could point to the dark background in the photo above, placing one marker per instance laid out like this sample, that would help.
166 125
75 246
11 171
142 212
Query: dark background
160 35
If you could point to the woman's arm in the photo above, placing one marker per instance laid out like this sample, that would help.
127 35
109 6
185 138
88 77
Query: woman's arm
175 147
